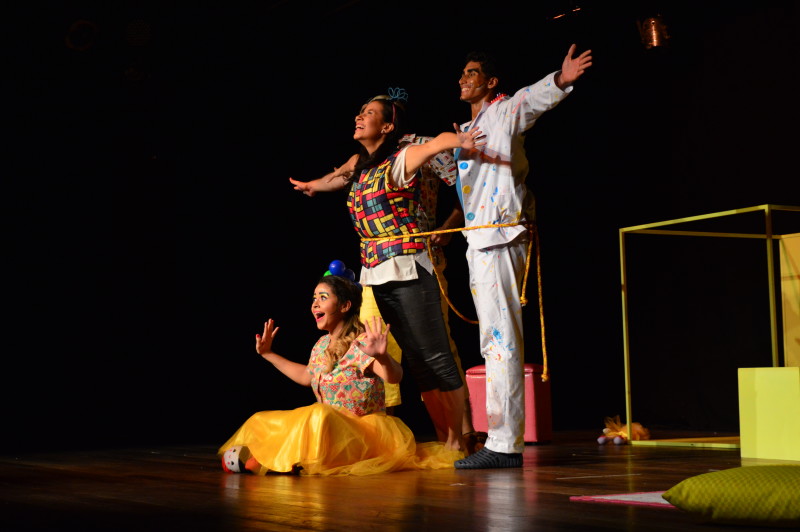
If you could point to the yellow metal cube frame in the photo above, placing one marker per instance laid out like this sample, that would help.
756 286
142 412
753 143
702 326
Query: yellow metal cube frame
657 228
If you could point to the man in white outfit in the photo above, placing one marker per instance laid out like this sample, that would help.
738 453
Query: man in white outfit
492 189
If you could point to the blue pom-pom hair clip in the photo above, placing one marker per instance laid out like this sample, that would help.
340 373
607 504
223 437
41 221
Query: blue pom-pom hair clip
339 269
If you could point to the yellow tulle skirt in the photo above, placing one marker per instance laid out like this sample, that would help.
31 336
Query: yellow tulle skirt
324 440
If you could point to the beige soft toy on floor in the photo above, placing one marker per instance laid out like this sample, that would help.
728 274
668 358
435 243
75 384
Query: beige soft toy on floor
618 432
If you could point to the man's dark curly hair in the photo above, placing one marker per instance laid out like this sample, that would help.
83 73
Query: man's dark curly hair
489 64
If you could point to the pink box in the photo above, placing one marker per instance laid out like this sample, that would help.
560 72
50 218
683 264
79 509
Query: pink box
538 416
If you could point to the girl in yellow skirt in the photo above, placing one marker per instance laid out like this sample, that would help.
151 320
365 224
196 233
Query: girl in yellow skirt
347 431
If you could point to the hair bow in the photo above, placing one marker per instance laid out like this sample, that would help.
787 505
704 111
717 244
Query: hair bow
398 94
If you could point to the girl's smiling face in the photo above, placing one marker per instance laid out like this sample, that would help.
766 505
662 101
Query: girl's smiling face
328 312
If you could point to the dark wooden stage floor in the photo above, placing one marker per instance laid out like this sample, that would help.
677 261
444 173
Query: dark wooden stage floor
184 488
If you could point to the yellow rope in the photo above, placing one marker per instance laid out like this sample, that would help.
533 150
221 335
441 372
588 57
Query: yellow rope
533 239
535 234
441 286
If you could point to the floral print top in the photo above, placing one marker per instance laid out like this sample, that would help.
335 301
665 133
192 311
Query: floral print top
346 386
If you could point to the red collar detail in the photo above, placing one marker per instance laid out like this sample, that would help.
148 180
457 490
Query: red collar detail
498 97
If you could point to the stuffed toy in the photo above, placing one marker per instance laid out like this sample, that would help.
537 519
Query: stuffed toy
618 432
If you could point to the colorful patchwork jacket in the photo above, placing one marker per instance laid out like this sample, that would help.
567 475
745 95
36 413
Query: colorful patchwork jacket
380 210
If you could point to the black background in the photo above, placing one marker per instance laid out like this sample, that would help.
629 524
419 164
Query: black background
153 228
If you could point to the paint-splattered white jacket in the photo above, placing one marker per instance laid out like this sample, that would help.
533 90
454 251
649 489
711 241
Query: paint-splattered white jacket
491 182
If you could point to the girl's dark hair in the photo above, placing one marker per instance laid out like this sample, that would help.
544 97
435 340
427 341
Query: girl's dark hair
344 290
394 112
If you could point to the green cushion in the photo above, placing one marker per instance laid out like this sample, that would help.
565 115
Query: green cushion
766 495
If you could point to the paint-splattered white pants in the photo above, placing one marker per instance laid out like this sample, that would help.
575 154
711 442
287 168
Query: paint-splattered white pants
495 279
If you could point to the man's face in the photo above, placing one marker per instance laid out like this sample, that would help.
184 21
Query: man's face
474 83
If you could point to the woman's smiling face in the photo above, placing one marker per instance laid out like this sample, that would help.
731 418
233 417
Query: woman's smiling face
370 123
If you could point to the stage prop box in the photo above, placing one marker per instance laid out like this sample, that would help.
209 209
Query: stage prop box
769 413
538 410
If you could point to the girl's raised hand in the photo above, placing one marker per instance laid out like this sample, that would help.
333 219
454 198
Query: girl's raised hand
264 341
377 338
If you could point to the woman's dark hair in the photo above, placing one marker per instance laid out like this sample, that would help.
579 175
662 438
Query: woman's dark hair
345 290
394 112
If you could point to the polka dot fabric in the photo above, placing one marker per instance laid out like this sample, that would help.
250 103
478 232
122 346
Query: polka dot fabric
764 495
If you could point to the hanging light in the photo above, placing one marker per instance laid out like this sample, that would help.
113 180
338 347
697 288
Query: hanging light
654 32
570 12
81 35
